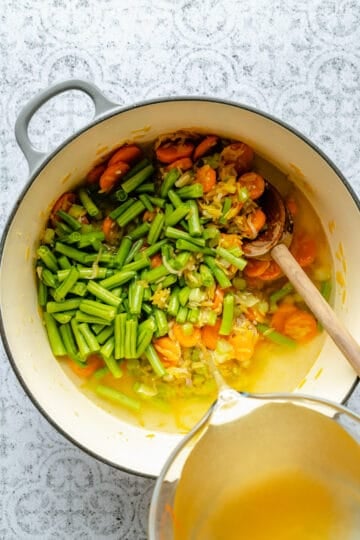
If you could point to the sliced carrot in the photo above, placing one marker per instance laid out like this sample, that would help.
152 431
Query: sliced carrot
63 203
184 339
184 164
255 267
243 342
241 154
206 176
127 154
304 249
257 219
300 326
291 205
169 152
111 176
110 229
273 271
218 298
168 349
155 260
205 146
93 363
93 176
278 319
210 335
254 183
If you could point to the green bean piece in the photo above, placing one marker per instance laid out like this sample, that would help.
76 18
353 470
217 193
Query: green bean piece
54 336
135 248
275 336
225 209
90 319
58 307
103 311
168 281
138 178
119 278
100 373
119 334
117 212
108 347
113 367
65 286
195 227
136 168
105 333
146 202
146 188
48 278
156 228
169 181
140 231
64 263
97 328
47 257
146 308
137 298
71 238
174 302
325 289
42 293
178 234
154 361
279 295
103 294
238 262
144 340
175 199
130 214
123 251
228 315
193 315
63 318
130 336
161 323
184 294
89 204
69 220
188 246
105 257
155 273
220 276
151 250
90 338
194 191
62 229
118 397
157 201
84 273
243 194
79 289
68 340
140 264
72 253
83 347
177 215
181 316
120 195
181 260
48 237
93 238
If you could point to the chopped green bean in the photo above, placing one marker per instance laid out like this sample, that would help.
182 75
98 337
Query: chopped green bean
154 360
54 336
169 181
48 258
114 395
275 336
119 333
138 178
89 204
131 213
238 262
228 315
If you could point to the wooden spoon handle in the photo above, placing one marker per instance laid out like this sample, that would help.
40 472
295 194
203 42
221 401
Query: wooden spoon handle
318 305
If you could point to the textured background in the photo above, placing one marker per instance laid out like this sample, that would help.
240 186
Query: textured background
297 60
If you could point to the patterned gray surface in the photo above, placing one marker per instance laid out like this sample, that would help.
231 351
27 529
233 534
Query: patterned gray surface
297 60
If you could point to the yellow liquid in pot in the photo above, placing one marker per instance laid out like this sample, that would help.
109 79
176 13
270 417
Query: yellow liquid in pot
281 473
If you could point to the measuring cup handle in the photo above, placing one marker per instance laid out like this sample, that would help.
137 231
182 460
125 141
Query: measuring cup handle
33 156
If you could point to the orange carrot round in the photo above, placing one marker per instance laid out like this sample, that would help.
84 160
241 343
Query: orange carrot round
239 153
273 271
112 175
256 267
283 311
206 176
186 340
184 164
205 146
93 363
257 219
304 249
168 349
110 229
169 152
210 335
300 326
127 154
254 183
93 176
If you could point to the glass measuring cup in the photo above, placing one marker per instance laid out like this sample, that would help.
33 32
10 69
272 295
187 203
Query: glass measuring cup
281 464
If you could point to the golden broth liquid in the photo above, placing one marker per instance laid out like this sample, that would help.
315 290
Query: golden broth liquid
281 473
273 368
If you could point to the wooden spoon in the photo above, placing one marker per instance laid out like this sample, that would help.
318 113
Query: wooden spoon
274 241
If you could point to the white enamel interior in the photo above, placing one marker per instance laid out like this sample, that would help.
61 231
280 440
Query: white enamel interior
113 440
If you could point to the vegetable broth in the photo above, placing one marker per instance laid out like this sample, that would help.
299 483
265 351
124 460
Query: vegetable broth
193 297
298 479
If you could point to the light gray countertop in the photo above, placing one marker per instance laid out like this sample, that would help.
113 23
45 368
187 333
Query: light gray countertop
299 61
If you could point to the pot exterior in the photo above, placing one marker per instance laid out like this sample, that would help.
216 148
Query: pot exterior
113 440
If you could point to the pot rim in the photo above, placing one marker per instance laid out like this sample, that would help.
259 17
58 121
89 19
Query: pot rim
34 174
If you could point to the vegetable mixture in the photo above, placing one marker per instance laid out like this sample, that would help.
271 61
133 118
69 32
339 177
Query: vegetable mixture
141 271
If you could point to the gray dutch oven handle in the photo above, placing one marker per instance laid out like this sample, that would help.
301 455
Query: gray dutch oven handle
34 157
